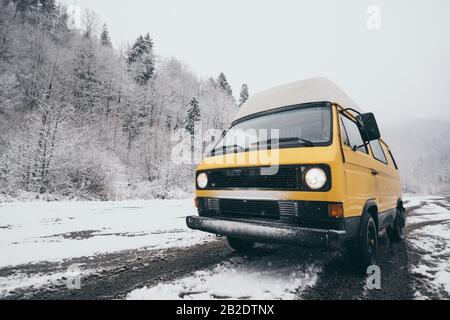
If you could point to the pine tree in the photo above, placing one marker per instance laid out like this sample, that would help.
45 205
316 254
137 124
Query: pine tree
29 8
244 95
222 82
140 59
148 43
193 115
4 172
86 80
23 6
212 81
142 46
105 39
147 70
48 6
135 51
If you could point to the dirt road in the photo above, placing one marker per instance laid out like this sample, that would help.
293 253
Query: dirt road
115 275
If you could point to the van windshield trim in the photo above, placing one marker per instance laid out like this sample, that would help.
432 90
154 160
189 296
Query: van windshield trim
282 109
292 144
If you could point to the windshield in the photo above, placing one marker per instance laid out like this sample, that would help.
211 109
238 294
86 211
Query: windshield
303 126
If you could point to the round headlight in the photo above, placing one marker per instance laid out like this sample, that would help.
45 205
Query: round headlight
202 180
315 178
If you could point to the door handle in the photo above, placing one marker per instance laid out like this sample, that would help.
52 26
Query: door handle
375 172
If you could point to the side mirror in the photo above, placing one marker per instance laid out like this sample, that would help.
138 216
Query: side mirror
369 127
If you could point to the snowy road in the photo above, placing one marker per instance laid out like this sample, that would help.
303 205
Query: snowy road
142 250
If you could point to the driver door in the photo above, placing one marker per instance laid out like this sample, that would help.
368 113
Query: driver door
360 182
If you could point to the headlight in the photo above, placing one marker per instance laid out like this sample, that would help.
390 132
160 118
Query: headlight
315 178
202 180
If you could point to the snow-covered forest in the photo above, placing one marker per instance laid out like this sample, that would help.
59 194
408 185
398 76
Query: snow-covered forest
80 119
422 149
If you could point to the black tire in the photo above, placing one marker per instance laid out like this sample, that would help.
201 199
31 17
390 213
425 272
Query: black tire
240 245
396 232
366 250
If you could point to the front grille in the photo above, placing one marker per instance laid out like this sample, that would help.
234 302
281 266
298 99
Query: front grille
286 178
270 210
312 214
288 207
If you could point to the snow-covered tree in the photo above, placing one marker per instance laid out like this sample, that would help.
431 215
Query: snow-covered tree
90 24
28 8
212 81
141 46
85 79
193 115
105 39
140 59
243 97
222 82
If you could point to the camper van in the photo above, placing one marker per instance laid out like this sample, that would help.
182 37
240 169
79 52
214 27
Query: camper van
319 175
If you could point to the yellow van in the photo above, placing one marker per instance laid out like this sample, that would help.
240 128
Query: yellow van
333 181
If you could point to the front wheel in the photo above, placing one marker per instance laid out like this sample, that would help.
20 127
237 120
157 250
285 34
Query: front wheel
240 245
367 249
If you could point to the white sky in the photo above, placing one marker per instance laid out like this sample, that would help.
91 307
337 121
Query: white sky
402 69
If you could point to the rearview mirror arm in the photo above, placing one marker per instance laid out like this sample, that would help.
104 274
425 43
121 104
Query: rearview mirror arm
351 109
355 147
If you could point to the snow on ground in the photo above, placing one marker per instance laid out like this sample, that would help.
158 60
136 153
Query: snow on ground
433 241
53 231
280 276
429 212
24 281
412 200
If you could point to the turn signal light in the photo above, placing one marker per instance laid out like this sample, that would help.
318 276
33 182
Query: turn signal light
336 210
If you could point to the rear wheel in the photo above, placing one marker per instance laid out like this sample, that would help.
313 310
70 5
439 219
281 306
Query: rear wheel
240 245
396 232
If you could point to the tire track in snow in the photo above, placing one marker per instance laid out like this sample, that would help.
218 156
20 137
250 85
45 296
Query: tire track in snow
342 279
432 242
412 227
122 272
268 272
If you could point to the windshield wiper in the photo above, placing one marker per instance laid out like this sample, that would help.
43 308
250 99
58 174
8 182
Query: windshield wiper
307 143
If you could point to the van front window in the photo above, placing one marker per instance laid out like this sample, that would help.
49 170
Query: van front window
305 126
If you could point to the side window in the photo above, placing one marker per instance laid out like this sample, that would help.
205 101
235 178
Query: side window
344 134
378 152
354 138
390 156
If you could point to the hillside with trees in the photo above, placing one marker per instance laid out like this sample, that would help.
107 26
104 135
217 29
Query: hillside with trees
82 120
422 150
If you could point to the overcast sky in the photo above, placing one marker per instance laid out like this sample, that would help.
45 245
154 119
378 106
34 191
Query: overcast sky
401 70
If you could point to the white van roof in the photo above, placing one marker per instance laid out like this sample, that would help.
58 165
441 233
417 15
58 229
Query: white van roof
306 91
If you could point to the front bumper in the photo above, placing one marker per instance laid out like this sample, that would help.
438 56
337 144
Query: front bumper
266 232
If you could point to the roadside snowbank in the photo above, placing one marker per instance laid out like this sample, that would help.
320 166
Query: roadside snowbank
53 231
433 241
